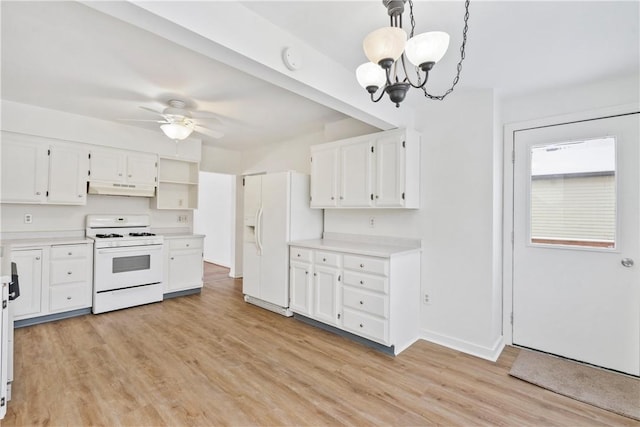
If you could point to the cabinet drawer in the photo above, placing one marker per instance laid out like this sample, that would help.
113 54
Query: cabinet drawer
327 258
364 281
185 243
69 297
374 304
68 271
366 326
300 254
69 251
367 264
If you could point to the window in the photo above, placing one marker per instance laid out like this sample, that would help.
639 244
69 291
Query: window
573 193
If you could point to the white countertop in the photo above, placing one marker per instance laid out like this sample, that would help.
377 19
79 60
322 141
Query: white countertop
45 241
181 235
363 245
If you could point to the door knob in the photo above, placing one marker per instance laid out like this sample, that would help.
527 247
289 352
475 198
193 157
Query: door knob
627 262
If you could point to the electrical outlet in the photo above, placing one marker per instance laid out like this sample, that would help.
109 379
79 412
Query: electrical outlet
182 218
427 300
28 218
372 221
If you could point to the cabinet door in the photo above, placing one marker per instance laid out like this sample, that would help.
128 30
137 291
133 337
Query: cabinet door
185 269
301 288
107 166
142 169
355 174
326 282
324 177
24 171
29 264
390 173
68 174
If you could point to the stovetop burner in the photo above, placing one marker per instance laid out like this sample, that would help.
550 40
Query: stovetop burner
141 234
107 236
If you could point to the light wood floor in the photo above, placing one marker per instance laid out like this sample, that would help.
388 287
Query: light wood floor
212 359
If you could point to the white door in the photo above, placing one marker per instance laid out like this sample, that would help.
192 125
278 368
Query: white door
107 166
324 177
29 264
390 163
355 174
576 266
185 269
300 283
24 171
326 281
251 253
142 169
273 231
68 175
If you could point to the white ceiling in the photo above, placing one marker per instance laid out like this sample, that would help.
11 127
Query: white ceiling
67 56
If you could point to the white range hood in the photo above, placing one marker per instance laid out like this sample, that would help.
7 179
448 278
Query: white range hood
117 189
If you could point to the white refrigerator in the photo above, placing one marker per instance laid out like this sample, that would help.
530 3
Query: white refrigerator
276 211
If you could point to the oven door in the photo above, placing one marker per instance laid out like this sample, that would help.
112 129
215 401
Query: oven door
117 268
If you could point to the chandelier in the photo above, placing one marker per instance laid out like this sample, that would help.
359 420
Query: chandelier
387 47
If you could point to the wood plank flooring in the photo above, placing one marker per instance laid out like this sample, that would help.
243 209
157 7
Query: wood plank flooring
211 359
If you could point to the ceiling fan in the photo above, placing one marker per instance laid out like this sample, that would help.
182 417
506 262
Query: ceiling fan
179 122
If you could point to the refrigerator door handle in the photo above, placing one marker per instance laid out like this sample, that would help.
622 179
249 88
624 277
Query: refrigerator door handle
259 230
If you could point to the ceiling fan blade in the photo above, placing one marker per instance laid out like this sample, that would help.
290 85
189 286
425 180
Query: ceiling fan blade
150 121
152 110
209 132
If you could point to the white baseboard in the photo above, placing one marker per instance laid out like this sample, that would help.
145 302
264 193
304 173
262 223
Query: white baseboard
489 353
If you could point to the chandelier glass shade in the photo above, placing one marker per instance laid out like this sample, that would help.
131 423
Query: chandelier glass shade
177 131
386 48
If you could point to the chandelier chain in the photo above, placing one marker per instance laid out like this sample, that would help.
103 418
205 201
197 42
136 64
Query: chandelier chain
462 51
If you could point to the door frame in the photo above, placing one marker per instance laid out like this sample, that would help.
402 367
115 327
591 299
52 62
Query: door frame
507 194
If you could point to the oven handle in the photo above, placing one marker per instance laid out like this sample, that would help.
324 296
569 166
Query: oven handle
120 250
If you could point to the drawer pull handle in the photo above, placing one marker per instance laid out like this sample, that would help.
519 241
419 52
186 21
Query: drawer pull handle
80 195
361 265
70 253
298 255
69 273
171 258
361 325
306 272
361 282
187 245
324 260
361 303
37 258
68 298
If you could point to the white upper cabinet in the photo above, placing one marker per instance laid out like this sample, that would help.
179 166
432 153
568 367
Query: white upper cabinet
41 170
324 176
68 174
356 174
25 167
107 166
119 166
142 169
380 170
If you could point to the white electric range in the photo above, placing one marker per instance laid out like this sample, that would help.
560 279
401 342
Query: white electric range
127 261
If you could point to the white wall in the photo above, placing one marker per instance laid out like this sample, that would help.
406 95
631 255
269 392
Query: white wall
213 218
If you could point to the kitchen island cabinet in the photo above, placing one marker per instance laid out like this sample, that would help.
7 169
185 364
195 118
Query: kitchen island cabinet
362 285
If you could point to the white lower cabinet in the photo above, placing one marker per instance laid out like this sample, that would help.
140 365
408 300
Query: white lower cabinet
29 264
70 277
54 278
375 297
183 263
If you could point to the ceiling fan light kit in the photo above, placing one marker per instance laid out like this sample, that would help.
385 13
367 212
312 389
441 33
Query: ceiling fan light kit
176 131
387 47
